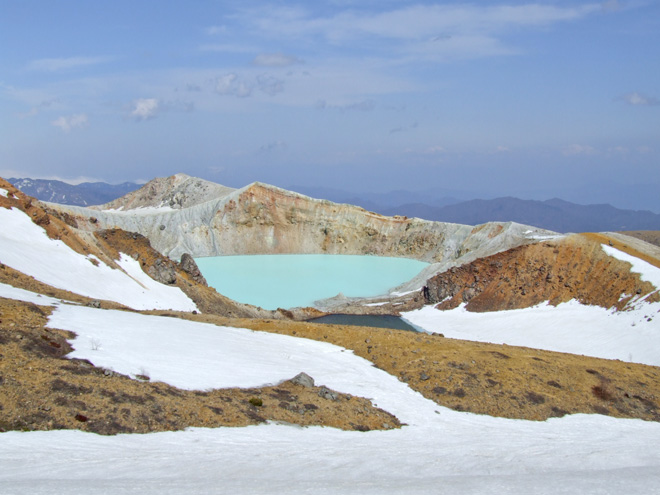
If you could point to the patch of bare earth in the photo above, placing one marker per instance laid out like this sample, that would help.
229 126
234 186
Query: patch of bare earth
574 267
498 380
42 390
650 236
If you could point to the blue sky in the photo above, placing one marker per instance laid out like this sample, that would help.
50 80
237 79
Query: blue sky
483 99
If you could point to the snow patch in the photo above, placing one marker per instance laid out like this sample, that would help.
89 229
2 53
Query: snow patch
9 292
569 327
4 192
27 248
647 271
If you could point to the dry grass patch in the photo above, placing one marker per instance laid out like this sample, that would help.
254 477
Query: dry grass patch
42 390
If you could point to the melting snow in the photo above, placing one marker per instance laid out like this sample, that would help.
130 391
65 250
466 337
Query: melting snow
25 247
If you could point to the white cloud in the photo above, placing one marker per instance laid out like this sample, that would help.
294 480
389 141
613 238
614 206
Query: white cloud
579 149
415 22
270 85
67 123
145 108
360 106
215 30
227 48
231 84
58 64
275 60
637 99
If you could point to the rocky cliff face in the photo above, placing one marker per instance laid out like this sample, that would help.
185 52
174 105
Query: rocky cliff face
262 219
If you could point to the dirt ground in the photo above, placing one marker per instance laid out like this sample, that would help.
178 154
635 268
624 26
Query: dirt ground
42 390
650 236
560 270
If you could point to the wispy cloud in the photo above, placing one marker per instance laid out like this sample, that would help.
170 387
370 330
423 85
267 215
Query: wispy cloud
227 48
275 60
60 64
360 106
145 109
216 30
462 24
270 85
637 99
67 123
35 110
274 146
231 84
579 149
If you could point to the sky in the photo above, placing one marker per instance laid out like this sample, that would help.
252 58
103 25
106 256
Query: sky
479 99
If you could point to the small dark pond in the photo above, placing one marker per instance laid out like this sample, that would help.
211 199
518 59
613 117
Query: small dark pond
377 321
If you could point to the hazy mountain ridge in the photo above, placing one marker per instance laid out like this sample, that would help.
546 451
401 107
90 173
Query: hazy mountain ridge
553 214
181 190
84 194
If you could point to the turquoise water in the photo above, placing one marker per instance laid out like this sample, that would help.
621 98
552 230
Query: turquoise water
295 280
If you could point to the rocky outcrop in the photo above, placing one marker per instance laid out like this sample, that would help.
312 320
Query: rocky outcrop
557 271
176 192
189 266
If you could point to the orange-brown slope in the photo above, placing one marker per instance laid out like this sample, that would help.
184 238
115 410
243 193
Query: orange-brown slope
574 267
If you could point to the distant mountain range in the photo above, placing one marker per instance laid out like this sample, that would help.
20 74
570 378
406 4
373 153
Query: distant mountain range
553 214
85 194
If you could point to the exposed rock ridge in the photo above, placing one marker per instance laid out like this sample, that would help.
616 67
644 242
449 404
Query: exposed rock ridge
263 219
176 192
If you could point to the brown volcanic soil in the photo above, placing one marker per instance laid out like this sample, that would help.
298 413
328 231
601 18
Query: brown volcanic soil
41 390
574 267
650 236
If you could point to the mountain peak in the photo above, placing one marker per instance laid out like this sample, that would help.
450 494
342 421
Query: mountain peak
176 191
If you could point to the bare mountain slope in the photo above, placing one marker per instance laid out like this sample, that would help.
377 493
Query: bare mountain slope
557 271
177 191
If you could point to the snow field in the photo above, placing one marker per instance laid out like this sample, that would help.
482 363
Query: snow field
25 247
